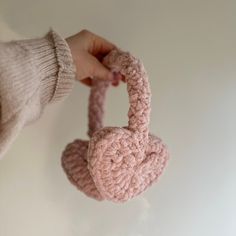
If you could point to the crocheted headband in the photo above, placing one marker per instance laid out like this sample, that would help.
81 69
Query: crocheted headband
117 163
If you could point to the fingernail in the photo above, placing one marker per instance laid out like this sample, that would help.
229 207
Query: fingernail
117 76
115 83
114 75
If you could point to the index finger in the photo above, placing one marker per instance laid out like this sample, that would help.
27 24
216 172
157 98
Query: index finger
100 45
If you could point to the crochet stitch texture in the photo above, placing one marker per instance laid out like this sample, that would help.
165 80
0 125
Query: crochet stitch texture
118 163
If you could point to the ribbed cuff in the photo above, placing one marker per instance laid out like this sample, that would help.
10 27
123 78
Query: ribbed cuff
66 68
53 60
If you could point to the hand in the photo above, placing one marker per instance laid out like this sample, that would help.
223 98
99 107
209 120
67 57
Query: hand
88 50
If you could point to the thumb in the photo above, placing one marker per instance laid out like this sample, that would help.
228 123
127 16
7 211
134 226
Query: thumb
99 71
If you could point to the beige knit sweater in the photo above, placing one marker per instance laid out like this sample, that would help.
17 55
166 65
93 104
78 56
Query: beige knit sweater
33 73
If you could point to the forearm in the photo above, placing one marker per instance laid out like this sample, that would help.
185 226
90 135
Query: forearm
33 73
41 67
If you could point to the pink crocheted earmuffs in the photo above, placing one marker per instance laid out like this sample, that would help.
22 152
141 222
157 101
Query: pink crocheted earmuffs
117 163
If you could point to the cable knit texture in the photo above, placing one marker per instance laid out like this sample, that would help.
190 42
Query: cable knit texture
33 73
117 163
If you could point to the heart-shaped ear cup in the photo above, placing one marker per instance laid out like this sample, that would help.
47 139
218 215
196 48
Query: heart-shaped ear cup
75 164
119 168
117 163
74 157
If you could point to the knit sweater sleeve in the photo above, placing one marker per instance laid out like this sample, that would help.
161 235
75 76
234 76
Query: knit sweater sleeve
33 73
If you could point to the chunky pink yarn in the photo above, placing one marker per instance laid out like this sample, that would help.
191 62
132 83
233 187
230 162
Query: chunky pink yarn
117 163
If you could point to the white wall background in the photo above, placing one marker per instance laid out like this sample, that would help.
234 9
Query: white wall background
188 48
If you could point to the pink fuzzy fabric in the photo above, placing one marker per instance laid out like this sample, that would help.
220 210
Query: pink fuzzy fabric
117 163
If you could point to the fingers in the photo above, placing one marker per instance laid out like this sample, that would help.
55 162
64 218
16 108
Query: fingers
98 70
88 51
101 72
117 77
116 81
87 82
100 45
